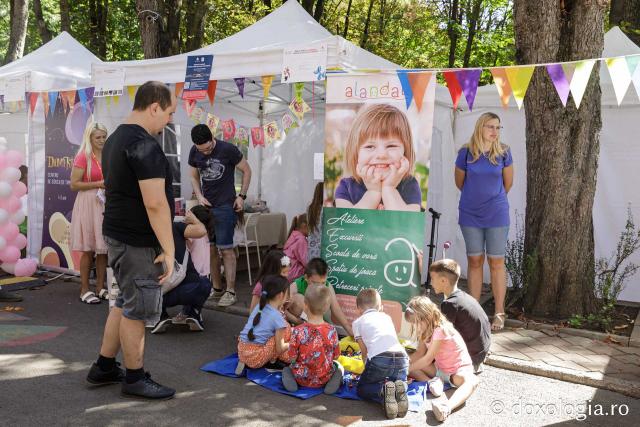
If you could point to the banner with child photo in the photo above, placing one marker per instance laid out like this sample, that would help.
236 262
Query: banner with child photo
377 151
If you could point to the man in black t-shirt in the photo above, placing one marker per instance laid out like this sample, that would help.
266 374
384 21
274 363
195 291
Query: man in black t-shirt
137 226
462 310
213 164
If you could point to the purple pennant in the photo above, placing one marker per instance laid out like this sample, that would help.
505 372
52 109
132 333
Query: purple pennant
468 80
559 79
240 83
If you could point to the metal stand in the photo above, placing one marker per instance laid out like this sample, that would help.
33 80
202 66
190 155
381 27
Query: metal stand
435 218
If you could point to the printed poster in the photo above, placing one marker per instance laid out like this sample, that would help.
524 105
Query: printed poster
305 63
196 81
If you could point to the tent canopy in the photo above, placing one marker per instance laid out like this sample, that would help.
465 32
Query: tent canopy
62 63
257 50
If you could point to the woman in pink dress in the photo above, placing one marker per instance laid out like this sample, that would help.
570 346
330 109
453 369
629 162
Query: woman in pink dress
86 219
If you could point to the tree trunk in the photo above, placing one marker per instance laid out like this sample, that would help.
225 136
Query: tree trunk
562 154
626 15
308 6
452 31
150 23
346 20
65 19
317 14
45 33
194 23
170 31
473 25
365 32
19 17
98 12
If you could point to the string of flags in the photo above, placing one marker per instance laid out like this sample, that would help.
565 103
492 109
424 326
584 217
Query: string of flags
50 100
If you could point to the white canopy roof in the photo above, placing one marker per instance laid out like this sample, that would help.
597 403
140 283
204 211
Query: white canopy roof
62 63
256 51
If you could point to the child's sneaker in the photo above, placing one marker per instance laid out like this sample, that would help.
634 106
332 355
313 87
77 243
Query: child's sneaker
401 398
389 400
441 410
216 293
436 387
239 368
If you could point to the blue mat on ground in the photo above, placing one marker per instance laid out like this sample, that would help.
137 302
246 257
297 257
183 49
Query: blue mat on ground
416 393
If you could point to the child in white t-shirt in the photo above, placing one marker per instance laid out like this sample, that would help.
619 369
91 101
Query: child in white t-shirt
386 362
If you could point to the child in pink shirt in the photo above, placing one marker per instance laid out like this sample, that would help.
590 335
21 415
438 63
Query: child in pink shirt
442 356
296 246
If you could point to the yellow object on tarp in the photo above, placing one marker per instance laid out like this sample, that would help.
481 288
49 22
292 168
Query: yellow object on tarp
352 364
349 345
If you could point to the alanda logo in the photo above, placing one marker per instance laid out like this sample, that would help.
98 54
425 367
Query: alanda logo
383 91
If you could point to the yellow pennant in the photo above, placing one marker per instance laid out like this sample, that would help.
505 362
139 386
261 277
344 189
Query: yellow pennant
519 78
266 85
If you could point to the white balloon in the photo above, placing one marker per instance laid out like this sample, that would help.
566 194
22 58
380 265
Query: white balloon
4 216
3 140
9 267
10 175
5 190
3 243
18 217
3 148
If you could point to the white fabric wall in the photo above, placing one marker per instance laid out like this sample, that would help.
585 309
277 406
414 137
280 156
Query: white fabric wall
14 127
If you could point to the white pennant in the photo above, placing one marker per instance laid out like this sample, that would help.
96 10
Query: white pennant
620 76
580 79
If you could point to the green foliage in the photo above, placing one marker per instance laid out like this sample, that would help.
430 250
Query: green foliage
521 268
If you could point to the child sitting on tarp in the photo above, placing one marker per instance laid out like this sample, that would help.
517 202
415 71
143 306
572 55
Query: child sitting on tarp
314 347
265 337
384 379
315 275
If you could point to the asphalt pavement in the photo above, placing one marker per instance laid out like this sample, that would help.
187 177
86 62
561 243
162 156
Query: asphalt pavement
42 381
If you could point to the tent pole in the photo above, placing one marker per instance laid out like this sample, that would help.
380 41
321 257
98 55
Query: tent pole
260 149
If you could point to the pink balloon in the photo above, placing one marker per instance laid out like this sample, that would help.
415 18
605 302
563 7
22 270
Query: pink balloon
3 161
10 254
19 189
9 231
11 204
9 267
25 267
19 242
14 158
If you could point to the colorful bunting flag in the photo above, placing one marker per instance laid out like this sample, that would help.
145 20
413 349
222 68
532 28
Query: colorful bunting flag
620 76
228 129
131 90
299 108
580 79
33 100
197 115
212 122
635 78
560 81
266 85
502 85
242 135
298 88
468 80
257 136
288 122
454 87
189 105
519 78
82 96
240 83
271 132
45 102
419 82
178 89
53 100
632 62
211 91
406 87
71 97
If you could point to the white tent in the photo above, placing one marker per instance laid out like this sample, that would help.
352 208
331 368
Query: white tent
283 171
61 64
617 166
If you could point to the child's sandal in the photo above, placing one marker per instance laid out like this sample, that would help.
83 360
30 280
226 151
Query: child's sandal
498 321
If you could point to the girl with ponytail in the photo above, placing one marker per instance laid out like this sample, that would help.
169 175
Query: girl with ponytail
265 337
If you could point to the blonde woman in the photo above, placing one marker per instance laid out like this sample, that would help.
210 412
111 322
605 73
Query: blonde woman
86 219
380 159
484 175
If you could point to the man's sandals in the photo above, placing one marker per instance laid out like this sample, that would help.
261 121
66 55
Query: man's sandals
498 321
90 298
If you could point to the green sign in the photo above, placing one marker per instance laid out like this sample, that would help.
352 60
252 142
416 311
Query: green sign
373 249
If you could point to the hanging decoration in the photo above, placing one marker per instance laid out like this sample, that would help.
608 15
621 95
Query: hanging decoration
242 135
212 123
288 122
271 132
502 85
240 84
580 79
298 87
560 80
266 85
454 87
211 91
228 129
519 78
257 136
468 80
419 83
197 115
299 108
131 90
620 76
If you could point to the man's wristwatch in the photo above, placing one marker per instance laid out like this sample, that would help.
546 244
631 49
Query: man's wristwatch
242 196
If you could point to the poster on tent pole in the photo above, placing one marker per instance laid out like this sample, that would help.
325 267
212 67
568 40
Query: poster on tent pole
63 132
196 81
376 169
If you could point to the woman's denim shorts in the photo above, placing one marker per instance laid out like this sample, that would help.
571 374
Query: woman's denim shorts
494 239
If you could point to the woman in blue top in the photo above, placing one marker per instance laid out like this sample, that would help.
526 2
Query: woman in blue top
484 174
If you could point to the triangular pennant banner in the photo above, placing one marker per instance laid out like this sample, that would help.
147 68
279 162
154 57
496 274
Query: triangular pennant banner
71 97
89 97
635 78
468 80
257 136
519 78
419 83
454 87
45 102
107 100
620 76
298 87
406 87
502 85
131 90
116 100
82 96
240 84
33 100
178 89
266 85
632 62
189 105
580 79
560 81
228 129
211 91
53 100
